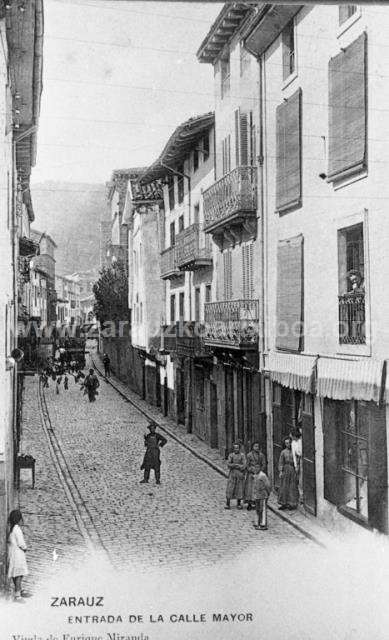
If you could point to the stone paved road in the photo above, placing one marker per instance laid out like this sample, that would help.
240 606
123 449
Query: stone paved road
182 520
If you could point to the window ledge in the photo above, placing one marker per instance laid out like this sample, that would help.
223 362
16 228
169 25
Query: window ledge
354 350
355 517
289 80
348 177
349 22
291 206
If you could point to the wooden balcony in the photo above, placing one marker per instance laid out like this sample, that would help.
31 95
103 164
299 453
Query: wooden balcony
169 267
352 318
232 324
230 206
193 249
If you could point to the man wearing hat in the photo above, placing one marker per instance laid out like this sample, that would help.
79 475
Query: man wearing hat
152 459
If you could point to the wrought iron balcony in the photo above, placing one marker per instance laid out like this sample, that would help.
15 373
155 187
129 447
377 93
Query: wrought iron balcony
169 267
232 199
193 249
190 339
232 323
352 318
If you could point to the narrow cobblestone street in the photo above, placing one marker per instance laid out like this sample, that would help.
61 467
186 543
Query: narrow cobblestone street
182 520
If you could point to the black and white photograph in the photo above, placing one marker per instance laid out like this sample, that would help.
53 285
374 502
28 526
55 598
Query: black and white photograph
194 395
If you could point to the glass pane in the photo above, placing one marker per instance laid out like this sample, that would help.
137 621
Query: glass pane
362 506
350 453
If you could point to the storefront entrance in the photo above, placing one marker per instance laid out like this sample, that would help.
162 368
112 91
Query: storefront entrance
291 410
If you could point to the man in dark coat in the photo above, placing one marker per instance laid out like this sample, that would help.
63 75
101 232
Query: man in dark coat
152 460
107 365
91 384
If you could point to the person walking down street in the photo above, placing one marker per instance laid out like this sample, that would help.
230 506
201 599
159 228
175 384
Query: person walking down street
17 564
261 492
297 453
235 484
256 462
66 383
152 459
91 384
107 365
288 491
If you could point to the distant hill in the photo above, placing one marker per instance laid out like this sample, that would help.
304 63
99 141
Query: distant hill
70 213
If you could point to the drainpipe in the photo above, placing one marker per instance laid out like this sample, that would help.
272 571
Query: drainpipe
262 209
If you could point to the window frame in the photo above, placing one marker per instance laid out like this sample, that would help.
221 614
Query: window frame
225 75
287 79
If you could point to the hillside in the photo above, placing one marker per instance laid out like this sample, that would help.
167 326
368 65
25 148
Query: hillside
70 213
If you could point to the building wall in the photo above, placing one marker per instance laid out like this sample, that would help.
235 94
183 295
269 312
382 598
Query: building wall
7 307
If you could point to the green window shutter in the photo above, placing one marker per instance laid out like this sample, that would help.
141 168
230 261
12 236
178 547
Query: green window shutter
347 111
290 295
288 153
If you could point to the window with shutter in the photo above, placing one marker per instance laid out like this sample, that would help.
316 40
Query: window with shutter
290 294
288 50
172 308
346 11
172 234
288 153
252 146
347 111
237 141
170 182
244 139
228 167
247 272
206 147
227 275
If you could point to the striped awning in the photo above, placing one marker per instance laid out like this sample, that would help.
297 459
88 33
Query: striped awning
349 379
293 371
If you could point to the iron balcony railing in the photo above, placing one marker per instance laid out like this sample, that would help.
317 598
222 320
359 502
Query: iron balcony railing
352 318
193 248
234 193
233 323
169 267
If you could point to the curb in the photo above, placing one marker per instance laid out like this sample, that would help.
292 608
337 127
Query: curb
204 459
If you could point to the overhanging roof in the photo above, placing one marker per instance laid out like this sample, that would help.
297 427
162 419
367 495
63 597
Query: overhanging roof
229 20
267 25
179 145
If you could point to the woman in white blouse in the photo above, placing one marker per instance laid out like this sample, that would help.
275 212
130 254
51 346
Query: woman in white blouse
17 565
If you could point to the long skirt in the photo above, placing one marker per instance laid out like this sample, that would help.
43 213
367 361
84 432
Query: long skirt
235 485
288 491
248 488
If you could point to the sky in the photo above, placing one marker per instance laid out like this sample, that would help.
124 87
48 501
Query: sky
119 76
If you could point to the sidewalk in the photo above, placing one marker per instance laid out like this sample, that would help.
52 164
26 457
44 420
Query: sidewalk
299 519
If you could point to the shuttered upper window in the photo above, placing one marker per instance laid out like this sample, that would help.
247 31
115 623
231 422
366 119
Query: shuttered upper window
247 271
227 275
290 294
288 153
347 111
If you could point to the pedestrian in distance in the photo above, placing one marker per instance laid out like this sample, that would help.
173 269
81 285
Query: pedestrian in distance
91 384
256 462
107 365
288 492
261 492
236 463
154 442
66 383
17 564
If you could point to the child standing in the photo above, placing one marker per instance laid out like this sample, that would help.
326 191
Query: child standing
17 565
261 492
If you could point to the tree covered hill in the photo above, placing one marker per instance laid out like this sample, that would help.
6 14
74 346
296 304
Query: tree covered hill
70 212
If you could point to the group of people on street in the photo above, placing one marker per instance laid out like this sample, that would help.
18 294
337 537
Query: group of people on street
248 482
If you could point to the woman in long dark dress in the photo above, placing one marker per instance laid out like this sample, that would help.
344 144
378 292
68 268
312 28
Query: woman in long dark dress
288 491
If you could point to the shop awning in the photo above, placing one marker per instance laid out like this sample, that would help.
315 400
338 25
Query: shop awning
349 379
293 371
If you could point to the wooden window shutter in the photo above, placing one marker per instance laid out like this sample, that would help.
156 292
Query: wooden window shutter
253 146
347 111
331 444
378 479
250 258
290 298
244 139
228 153
227 267
288 153
237 141
244 271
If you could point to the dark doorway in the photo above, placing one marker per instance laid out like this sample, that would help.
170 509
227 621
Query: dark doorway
229 409
180 378
214 437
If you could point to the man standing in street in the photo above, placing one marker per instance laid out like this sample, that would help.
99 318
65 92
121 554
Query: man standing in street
91 385
107 365
152 460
